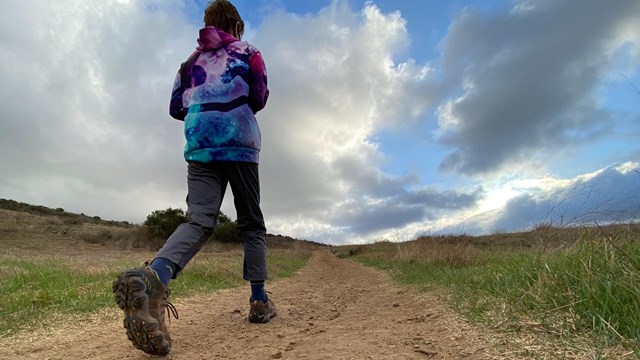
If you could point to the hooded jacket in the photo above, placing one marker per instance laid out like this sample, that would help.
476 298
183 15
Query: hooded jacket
217 93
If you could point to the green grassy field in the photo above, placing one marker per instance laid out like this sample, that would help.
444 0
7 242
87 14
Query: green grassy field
33 291
572 285
51 268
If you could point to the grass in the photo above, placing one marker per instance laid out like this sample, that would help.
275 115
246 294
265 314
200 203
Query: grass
575 289
215 273
51 269
34 291
31 291
582 291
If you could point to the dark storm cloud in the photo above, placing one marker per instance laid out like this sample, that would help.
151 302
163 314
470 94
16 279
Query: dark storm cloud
409 206
529 77
441 200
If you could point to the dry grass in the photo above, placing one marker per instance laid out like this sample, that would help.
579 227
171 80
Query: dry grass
540 291
97 246
438 252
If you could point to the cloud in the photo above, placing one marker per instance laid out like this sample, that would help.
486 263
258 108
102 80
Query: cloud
609 195
337 77
83 126
373 215
87 127
528 80
85 97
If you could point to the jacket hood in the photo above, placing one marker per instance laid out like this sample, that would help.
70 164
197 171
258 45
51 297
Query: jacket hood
211 38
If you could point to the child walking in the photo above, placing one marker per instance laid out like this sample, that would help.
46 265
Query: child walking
217 93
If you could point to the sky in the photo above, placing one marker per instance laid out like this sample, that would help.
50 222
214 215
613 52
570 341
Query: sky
387 119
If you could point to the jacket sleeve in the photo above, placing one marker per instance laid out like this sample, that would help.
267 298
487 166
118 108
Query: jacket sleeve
258 90
176 109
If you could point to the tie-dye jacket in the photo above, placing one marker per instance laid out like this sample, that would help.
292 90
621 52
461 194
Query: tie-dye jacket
217 96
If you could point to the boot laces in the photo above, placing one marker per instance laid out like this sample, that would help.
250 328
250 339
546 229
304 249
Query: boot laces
171 310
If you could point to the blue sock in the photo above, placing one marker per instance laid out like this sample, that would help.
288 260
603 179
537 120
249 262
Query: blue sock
257 291
165 269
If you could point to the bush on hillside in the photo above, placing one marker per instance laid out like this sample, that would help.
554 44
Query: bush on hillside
226 230
226 233
162 223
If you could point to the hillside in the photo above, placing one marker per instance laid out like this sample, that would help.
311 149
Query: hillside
565 293
121 234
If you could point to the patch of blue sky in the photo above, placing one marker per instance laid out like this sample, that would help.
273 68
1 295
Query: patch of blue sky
600 154
413 151
194 10
624 94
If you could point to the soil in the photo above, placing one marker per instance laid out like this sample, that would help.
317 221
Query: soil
332 309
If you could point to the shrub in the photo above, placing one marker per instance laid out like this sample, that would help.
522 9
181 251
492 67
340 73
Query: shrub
223 219
356 251
162 223
226 230
102 236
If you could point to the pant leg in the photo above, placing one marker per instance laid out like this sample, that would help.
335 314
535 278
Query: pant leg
207 184
245 184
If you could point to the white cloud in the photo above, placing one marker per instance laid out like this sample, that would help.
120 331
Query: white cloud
336 78
90 87
86 89
84 120
611 194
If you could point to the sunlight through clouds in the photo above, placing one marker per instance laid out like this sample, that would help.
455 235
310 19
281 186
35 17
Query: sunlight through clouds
517 114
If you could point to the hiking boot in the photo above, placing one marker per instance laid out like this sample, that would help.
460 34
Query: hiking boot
143 298
262 312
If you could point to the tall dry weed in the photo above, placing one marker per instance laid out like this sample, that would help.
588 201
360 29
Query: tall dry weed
436 251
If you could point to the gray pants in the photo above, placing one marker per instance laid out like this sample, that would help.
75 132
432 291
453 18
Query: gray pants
207 184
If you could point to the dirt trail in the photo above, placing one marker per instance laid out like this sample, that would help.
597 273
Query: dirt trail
333 309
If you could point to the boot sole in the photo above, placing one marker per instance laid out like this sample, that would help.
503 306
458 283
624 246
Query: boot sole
129 291
262 319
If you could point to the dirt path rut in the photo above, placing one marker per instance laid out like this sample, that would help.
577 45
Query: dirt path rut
333 309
